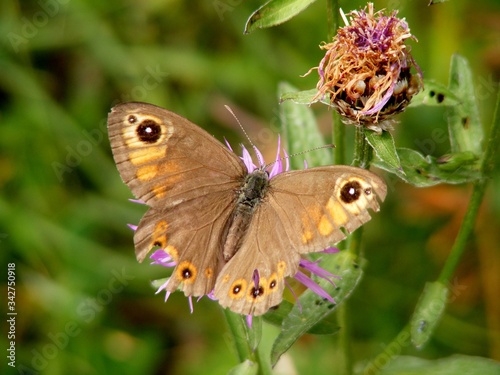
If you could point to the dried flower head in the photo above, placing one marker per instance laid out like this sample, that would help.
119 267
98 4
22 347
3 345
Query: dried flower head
366 69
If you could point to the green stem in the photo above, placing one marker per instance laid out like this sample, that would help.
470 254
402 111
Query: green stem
346 367
363 152
246 340
239 332
333 19
479 187
338 139
379 362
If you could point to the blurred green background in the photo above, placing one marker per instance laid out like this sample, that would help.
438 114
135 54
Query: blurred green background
84 304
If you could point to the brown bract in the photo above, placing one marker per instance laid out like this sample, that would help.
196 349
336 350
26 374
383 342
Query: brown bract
366 71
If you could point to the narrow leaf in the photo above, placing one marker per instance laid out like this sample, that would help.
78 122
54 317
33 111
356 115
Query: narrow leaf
432 2
277 315
301 133
435 94
312 308
466 132
423 171
300 97
428 312
453 365
275 12
384 148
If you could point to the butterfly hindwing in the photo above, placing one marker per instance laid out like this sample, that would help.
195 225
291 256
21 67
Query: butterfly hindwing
319 206
191 234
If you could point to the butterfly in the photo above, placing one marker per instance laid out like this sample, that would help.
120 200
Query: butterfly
231 231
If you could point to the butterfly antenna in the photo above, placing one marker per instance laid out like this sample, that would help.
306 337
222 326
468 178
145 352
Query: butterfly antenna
301 153
259 156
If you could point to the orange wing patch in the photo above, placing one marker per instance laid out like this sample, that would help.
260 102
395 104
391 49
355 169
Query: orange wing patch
147 155
147 172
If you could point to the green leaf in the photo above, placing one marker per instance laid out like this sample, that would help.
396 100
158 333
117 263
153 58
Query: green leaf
157 283
428 312
453 365
385 149
423 171
432 2
434 94
276 316
301 133
275 12
466 132
245 368
302 97
312 308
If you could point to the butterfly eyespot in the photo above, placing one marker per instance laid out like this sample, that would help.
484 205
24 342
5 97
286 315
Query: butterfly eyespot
237 289
350 192
186 272
148 131
272 284
256 292
368 191
132 119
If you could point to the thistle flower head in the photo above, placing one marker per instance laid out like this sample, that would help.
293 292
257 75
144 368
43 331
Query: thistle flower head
365 72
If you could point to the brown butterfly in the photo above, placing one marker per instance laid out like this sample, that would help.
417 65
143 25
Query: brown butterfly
234 232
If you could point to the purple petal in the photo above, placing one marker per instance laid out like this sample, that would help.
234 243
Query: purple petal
211 295
309 283
315 269
260 157
247 160
162 258
330 250
228 145
384 99
249 320
132 226
137 201
191 308
256 278
278 162
287 161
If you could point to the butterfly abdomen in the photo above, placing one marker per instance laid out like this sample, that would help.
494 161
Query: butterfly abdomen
250 195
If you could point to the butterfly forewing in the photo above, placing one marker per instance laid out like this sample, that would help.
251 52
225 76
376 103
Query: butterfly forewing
188 178
165 159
